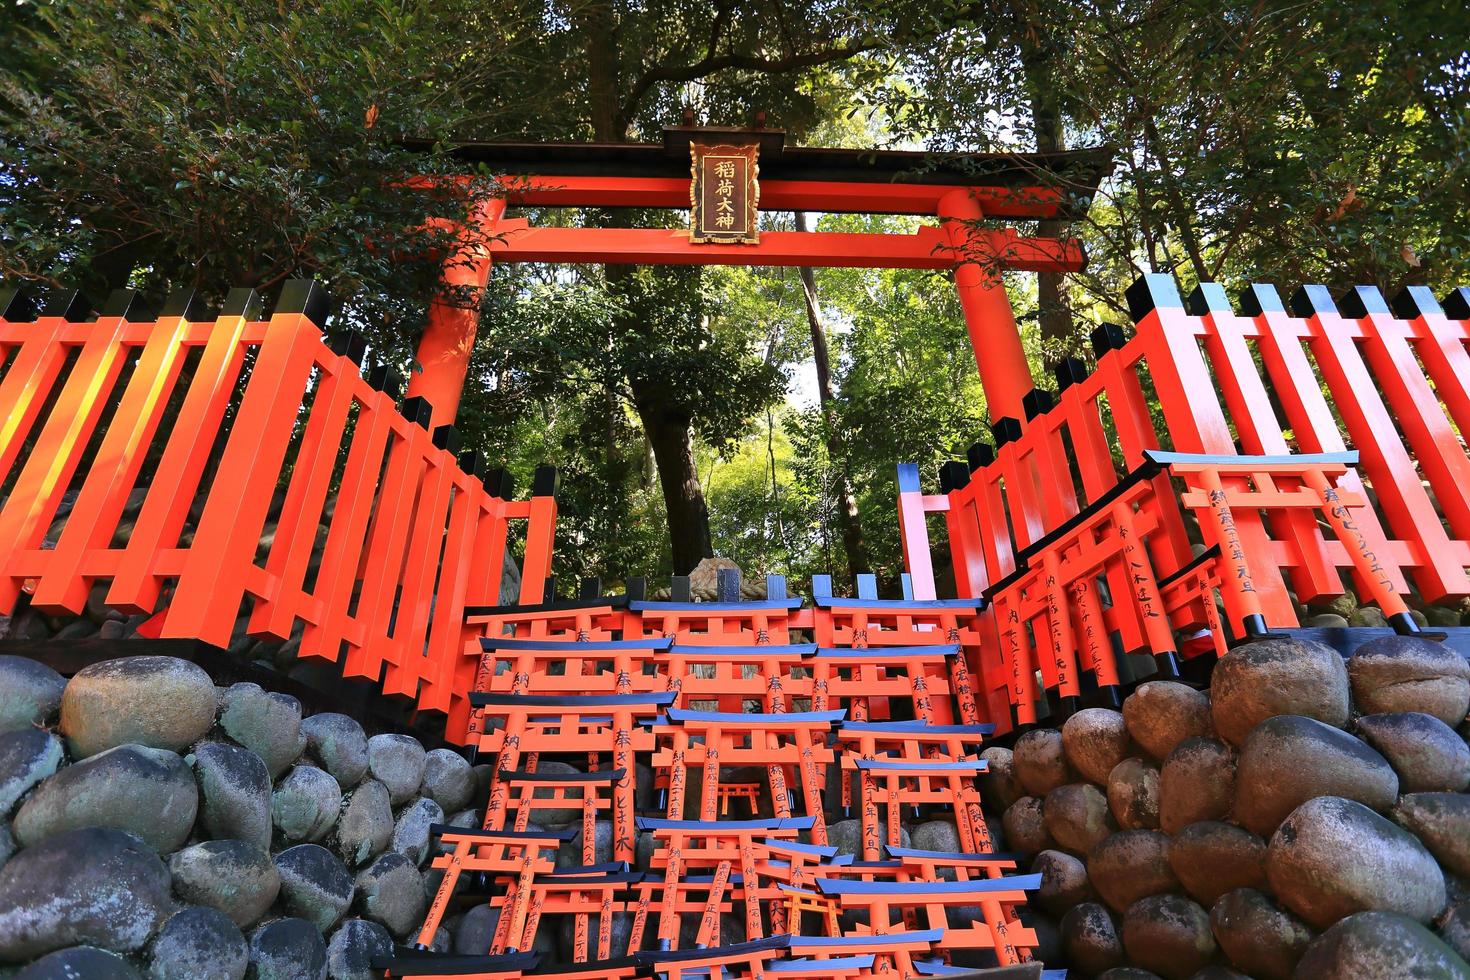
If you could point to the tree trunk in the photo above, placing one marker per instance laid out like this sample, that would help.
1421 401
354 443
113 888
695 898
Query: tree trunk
1052 311
847 509
672 440
669 435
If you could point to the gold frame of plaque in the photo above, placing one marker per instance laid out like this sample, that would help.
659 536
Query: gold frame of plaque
724 193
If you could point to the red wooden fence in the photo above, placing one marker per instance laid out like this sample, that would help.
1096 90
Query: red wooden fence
1201 377
381 535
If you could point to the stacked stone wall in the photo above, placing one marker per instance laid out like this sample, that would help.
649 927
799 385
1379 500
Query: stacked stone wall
1304 817
155 825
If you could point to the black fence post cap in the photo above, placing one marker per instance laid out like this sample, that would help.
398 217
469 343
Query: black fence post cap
307 297
545 481
980 455
417 410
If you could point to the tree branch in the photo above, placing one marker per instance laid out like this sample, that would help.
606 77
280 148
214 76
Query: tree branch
712 63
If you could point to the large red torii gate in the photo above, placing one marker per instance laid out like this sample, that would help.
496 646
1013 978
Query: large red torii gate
958 190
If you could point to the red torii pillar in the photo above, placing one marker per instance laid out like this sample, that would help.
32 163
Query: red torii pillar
1004 374
449 335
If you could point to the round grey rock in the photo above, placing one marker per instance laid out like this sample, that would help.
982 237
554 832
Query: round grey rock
97 886
476 930
845 835
160 702
305 804
1211 858
999 787
1454 929
564 816
147 792
397 762
1168 934
1259 937
366 825
390 892
1426 753
569 855
235 793
1196 783
1407 673
1161 714
621 932
448 780
1076 816
411 832
937 835
79 963
30 693
1289 759
355 945
1095 741
199 944
314 885
1133 794
1333 857
1041 761
1063 881
287 949
1025 826
1130 865
232 876
265 722
27 756
1441 821
339 744
1273 677
1383 946
1090 939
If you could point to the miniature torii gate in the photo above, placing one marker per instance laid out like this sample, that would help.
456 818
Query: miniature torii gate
958 190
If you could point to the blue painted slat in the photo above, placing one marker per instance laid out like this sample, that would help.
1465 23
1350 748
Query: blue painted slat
904 727
879 765
863 961
754 605
747 653
772 823
573 646
843 603
834 886
736 718
887 939
572 701
852 653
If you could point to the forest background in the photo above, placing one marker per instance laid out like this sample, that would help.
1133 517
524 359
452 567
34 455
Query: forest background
753 413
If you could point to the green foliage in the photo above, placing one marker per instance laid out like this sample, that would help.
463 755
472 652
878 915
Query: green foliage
166 142
216 145
1317 142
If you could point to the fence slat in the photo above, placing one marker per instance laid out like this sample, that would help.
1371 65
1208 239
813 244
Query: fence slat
29 380
207 599
103 497
1260 433
1385 457
58 449
301 512
345 536
417 596
136 586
